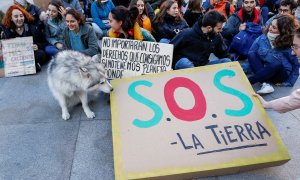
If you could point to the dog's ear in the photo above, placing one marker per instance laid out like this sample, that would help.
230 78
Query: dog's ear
84 72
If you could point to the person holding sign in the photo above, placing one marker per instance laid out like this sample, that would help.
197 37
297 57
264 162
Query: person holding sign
79 36
17 21
54 27
193 46
270 55
124 24
292 101
143 19
168 22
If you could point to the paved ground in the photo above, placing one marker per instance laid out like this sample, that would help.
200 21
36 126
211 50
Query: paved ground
35 143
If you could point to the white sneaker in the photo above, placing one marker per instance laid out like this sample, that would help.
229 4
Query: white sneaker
265 89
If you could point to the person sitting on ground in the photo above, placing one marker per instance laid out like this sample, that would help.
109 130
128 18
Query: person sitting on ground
18 22
73 4
270 55
33 10
237 21
78 35
99 11
193 46
143 18
292 101
286 7
168 22
124 24
224 7
54 27
193 12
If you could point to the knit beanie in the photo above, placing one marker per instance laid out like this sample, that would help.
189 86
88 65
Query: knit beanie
21 2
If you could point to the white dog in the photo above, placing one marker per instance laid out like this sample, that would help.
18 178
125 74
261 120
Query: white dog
71 75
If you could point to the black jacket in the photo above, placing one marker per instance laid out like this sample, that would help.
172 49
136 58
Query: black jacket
30 30
193 44
169 28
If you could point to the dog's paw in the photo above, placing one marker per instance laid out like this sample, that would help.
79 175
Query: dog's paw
65 116
90 114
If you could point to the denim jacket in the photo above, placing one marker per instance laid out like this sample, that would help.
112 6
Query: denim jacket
54 31
267 54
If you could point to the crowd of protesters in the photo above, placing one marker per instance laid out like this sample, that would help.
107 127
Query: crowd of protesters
196 28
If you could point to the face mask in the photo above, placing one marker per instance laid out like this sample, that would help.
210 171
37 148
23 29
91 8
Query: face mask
272 36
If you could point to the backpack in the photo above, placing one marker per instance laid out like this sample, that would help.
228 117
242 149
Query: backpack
242 42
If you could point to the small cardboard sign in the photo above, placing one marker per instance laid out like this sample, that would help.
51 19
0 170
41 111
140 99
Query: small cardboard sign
191 123
18 57
126 58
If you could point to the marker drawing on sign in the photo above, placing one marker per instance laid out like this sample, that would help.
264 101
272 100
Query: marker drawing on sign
248 104
196 142
230 133
233 148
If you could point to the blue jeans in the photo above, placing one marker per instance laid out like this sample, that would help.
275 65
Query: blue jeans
272 72
51 50
184 63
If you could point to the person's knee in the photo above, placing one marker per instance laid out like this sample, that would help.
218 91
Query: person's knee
184 63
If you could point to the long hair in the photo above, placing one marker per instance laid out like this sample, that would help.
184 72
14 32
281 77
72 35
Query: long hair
127 17
287 25
140 16
159 18
195 5
57 4
7 22
77 15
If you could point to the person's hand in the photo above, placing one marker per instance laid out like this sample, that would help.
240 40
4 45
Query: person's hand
62 11
59 46
262 101
35 47
242 27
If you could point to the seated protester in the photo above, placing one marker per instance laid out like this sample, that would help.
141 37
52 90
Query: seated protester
17 21
224 7
237 21
54 27
291 102
270 55
193 46
143 18
32 9
83 4
269 8
286 7
168 22
79 36
193 12
73 4
124 24
99 11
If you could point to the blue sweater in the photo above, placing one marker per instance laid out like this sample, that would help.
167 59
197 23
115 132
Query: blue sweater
101 13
